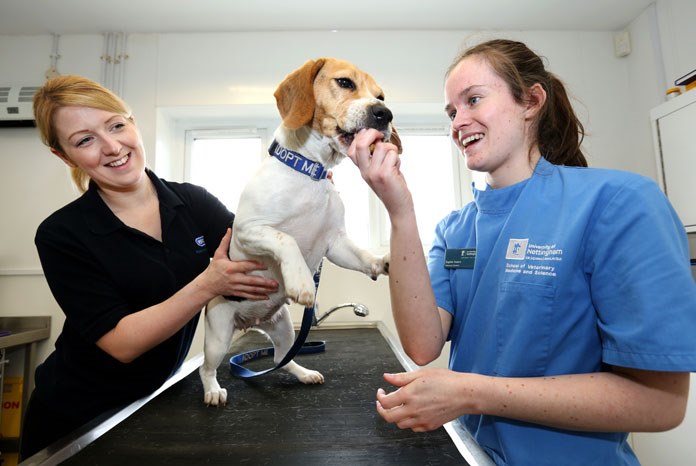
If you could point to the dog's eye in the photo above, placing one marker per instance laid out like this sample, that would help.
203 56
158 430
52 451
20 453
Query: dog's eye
346 83
380 97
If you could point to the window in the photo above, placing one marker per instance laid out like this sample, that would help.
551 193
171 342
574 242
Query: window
431 169
223 161
430 164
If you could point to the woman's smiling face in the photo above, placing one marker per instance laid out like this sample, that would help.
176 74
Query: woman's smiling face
106 145
489 127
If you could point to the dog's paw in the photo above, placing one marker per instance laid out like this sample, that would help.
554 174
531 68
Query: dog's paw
304 297
303 374
300 288
216 397
311 377
380 266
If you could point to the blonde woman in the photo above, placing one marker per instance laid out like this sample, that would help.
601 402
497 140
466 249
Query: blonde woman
131 263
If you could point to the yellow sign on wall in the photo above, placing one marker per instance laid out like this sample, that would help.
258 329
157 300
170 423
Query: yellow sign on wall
11 407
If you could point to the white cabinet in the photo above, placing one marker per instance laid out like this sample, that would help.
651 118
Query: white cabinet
674 135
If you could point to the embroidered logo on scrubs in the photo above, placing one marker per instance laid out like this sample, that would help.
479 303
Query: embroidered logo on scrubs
200 241
517 249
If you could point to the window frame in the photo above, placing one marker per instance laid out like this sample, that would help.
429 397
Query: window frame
190 135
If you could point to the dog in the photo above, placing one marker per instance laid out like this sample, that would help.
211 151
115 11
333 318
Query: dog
290 216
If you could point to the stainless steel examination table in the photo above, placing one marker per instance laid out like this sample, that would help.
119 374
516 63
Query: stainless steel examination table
269 420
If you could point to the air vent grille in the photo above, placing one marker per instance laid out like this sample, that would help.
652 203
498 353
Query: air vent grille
26 94
16 106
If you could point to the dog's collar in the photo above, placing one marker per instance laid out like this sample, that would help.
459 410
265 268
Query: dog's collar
298 162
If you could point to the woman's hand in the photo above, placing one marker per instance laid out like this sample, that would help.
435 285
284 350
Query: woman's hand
226 277
425 400
621 400
141 331
380 169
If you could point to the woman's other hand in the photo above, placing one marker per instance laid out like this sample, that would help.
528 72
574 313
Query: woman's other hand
234 278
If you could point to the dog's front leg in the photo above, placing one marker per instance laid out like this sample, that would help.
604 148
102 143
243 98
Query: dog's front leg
345 253
283 249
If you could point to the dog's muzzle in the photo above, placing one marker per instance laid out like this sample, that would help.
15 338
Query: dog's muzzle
379 117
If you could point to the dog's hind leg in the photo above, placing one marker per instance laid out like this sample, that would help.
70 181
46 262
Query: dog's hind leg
282 334
219 327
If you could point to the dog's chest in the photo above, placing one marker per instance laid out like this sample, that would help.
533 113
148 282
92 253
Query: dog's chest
291 202
308 210
313 222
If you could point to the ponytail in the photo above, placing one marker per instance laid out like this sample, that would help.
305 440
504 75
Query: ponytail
559 131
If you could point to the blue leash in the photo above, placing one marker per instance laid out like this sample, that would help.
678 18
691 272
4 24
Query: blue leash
299 347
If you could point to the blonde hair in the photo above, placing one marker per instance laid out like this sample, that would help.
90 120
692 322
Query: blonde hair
72 91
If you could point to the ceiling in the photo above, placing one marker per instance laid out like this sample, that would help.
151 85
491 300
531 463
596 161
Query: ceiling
19 17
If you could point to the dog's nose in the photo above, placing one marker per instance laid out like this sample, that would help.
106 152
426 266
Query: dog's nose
381 115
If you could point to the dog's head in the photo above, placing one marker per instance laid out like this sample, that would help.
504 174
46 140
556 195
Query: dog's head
336 99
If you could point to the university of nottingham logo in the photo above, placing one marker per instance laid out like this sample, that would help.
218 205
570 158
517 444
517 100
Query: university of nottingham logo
517 249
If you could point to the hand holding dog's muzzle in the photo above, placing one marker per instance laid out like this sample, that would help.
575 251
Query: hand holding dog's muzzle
380 168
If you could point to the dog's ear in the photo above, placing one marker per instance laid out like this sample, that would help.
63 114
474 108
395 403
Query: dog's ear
395 139
295 95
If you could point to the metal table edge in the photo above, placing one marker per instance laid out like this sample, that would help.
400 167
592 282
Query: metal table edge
64 449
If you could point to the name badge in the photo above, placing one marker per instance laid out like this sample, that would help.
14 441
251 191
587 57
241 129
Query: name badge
460 258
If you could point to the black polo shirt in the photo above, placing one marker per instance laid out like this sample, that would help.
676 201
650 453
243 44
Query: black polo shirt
100 270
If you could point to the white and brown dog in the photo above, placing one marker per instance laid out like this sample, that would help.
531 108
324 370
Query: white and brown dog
290 216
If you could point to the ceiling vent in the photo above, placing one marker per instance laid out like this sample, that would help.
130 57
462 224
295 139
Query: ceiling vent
16 106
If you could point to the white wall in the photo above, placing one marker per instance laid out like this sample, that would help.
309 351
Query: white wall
676 24
171 78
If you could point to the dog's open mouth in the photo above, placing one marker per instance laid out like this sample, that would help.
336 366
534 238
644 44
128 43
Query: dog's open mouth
346 137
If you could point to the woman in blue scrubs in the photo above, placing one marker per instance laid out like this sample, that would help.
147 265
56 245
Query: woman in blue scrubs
565 291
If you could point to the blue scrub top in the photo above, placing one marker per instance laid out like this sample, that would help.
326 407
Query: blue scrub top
574 269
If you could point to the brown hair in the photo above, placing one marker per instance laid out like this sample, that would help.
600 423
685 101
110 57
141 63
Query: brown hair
67 91
559 132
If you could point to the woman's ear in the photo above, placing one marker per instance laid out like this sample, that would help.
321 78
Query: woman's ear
536 98
63 157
